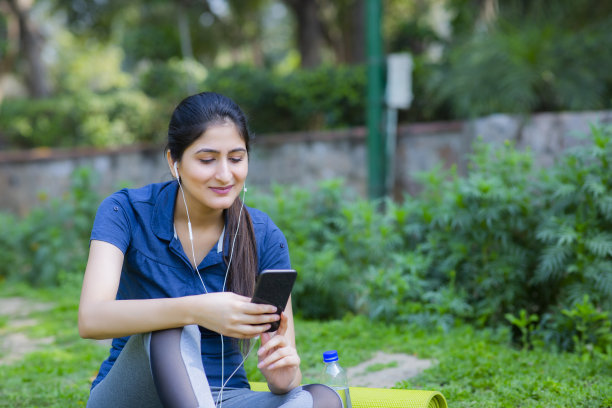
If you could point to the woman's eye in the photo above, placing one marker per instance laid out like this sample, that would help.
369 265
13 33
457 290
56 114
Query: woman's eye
207 161
236 159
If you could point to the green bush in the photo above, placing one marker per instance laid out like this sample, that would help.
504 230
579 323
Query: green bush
321 98
527 63
478 248
172 80
50 244
81 119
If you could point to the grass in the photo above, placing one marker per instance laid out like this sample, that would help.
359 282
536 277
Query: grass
475 368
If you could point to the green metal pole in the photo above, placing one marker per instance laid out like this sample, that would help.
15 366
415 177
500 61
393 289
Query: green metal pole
376 146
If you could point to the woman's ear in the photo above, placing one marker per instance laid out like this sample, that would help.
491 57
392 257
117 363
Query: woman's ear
173 165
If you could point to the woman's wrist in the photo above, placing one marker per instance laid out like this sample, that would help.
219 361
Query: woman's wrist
191 307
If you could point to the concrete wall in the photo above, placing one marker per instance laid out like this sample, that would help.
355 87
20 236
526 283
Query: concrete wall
301 158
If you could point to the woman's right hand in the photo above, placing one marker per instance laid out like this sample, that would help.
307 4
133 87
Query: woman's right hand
233 315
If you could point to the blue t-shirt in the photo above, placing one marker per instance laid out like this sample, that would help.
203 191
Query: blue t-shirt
140 222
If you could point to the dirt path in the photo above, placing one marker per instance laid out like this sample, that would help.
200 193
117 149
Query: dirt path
384 370
15 312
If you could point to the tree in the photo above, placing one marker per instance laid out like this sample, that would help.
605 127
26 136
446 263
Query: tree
24 43
309 31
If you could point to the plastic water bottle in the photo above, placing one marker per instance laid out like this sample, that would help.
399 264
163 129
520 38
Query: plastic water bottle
335 376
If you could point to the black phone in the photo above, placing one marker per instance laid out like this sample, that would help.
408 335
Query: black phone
273 287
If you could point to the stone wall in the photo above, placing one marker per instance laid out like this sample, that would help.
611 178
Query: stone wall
300 158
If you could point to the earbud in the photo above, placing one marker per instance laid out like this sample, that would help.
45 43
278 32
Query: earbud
244 188
176 170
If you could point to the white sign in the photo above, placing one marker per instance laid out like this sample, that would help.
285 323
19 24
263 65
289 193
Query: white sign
398 94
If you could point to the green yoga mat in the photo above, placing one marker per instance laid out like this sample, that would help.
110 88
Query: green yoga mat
362 397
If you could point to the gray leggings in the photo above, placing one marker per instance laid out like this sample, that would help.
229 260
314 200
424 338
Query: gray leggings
164 369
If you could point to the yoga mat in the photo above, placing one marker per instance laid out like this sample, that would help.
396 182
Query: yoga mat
363 397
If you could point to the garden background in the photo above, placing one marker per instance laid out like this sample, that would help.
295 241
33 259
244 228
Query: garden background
501 274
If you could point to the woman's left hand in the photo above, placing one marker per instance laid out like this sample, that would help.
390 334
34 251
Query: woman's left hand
278 359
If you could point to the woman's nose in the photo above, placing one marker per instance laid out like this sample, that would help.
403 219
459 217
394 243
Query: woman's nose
223 173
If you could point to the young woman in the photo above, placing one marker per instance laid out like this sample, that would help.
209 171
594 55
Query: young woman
170 274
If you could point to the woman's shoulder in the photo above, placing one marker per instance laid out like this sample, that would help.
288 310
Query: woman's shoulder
146 194
257 216
260 219
264 227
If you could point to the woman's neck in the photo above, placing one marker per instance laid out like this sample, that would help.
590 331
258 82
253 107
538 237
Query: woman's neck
201 217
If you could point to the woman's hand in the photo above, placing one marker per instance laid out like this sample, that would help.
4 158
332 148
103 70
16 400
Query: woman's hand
278 359
233 315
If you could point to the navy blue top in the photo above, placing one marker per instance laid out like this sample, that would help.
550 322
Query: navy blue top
140 222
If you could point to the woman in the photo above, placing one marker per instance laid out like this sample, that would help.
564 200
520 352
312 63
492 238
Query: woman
170 274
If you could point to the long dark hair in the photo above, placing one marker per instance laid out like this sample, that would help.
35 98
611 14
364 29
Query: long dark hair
191 118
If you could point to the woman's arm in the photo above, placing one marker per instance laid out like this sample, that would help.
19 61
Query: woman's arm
279 361
101 316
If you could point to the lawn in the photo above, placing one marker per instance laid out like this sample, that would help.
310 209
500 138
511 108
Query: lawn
476 368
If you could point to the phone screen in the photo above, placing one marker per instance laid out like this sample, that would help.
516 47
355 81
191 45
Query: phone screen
273 287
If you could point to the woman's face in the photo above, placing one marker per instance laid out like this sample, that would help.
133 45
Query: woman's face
214 167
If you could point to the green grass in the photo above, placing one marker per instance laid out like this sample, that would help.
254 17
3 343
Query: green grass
474 369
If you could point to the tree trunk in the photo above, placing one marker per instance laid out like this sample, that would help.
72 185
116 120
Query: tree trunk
30 47
355 37
309 31
343 28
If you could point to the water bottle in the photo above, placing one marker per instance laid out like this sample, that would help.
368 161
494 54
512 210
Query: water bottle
335 376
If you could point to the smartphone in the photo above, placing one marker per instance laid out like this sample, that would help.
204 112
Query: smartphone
273 287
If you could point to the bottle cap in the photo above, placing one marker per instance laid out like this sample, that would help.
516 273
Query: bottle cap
329 356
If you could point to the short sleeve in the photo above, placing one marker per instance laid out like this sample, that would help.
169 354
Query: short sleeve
112 223
274 253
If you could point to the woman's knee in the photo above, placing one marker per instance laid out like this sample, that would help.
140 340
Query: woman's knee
323 396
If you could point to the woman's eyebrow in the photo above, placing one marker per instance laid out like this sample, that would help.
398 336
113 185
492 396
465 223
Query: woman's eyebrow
207 150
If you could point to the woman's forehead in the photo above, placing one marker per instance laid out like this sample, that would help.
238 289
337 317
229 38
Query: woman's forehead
219 137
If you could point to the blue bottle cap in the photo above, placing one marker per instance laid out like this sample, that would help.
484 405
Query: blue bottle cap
329 356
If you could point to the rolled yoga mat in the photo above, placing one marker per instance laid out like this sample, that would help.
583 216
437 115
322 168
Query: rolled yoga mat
363 397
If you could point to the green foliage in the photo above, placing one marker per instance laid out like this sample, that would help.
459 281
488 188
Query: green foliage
49 245
525 323
577 257
81 119
584 329
479 369
476 248
478 230
320 98
172 80
540 57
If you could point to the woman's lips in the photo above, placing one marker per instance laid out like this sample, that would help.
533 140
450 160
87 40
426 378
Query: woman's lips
221 190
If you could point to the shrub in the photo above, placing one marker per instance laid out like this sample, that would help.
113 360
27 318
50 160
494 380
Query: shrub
81 119
321 98
527 63
51 243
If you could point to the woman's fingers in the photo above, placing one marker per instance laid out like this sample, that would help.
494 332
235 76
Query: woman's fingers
281 357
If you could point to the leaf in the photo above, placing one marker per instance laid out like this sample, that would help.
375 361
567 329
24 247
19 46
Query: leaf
600 244
552 262
604 204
